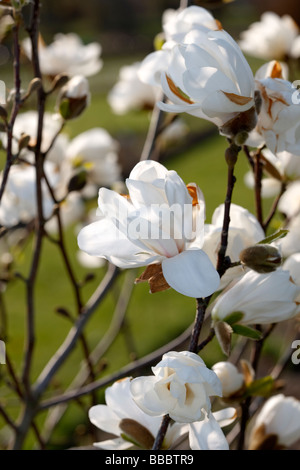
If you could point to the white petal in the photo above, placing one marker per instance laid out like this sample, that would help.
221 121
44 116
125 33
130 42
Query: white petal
207 435
191 273
104 418
113 444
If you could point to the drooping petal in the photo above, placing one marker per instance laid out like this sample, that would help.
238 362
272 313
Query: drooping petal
191 273
207 435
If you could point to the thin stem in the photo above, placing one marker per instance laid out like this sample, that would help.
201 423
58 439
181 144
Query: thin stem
274 207
15 109
161 433
153 132
200 313
258 186
221 265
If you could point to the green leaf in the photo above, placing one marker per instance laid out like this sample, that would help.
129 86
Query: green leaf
233 317
261 387
275 236
246 331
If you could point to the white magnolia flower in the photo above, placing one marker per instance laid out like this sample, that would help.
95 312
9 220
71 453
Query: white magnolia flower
290 244
130 93
160 225
67 54
181 387
176 25
18 204
244 231
262 298
207 434
96 151
231 379
289 203
278 125
208 77
27 123
280 416
270 38
123 418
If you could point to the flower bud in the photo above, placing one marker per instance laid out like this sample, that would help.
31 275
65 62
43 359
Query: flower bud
261 258
74 97
231 379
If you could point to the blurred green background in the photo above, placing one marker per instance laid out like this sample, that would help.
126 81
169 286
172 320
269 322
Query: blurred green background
125 29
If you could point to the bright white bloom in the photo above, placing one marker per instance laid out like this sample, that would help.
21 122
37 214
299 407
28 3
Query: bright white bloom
130 93
292 264
244 231
27 123
120 407
289 203
209 77
176 25
270 38
280 415
161 224
96 151
181 387
18 203
278 125
67 54
262 298
231 379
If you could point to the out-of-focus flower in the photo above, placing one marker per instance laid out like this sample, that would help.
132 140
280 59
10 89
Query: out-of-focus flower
96 152
27 124
181 387
71 210
261 298
244 231
67 54
124 419
18 204
292 264
270 38
290 244
130 93
289 203
231 379
74 97
160 225
277 424
278 122
202 81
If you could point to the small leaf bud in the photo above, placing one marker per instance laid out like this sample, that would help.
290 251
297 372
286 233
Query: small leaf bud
261 258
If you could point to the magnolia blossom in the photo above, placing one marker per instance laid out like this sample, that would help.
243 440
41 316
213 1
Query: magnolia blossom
278 125
289 203
160 225
244 231
67 54
130 93
209 77
27 124
135 429
280 416
181 387
231 379
176 25
123 418
18 204
270 38
95 151
262 298
71 210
